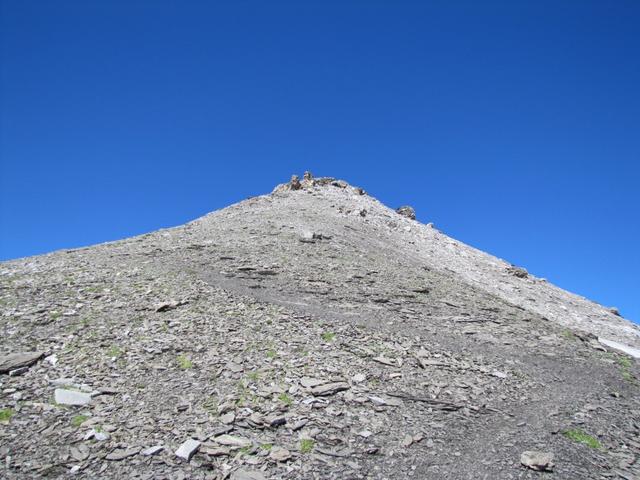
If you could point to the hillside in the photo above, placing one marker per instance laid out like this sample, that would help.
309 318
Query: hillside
308 333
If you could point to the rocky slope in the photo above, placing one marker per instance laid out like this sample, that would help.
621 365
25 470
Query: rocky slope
309 333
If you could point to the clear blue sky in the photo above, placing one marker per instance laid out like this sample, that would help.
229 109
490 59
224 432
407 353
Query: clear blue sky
514 126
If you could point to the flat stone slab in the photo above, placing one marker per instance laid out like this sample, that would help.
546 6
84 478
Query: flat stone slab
152 450
71 397
13 361
122 453
188 449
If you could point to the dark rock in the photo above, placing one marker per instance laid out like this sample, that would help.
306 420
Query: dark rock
294 183
517 271
407 211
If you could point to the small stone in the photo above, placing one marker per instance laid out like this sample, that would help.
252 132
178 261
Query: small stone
101 436
385 361
499 374
358 378
170 305
407 441
299 424
231 441
71 397
365 433
247 475
51 359
279 454
329 389
234 367
275 421
540 461
383 402
214 450
18 371
308 382
407 211
152 450
122 453
188 449
79 453
228 418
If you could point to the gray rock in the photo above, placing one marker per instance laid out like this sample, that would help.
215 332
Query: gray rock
228 418
329 389
294 183
308 382
540 461
279 454
14 361
188 449
122 453
71 397
152 450
248 475
407 211
232 441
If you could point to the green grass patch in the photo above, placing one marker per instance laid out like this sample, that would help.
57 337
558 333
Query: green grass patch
184 362
625 368
328 336
114 351
6 414
285 399
266 446
271 354
307 445
579 436
78 420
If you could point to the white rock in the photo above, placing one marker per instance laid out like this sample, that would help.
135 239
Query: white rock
188 449
71 397
152 450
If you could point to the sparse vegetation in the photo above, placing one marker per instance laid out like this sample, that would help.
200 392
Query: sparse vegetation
579 436
184 362
79 420
285 399
6 414
306 445
328 336
625 367
114 352
271 354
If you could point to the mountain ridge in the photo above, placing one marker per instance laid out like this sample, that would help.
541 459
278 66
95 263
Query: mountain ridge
308 333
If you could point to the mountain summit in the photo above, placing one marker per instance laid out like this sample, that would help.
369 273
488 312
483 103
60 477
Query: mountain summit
310 333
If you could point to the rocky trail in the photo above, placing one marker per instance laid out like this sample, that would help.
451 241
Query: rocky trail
311 333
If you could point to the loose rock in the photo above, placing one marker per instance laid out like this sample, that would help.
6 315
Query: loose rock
540 461
188 449
71 397
17 360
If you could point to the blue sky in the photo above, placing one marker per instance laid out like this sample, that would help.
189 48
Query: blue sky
513 126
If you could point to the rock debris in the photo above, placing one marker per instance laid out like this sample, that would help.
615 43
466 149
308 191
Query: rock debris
311 333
